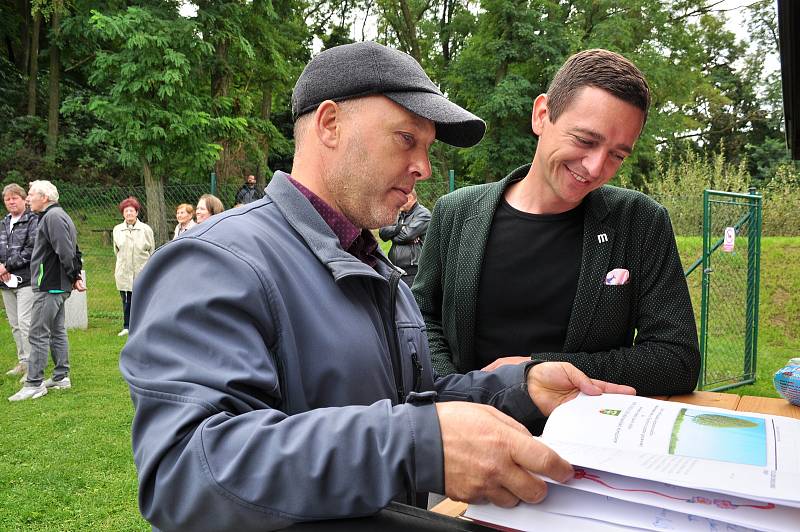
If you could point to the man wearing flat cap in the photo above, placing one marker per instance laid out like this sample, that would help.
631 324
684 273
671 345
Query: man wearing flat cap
304 391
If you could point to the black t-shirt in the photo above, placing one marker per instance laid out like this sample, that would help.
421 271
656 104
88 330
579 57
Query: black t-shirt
528 282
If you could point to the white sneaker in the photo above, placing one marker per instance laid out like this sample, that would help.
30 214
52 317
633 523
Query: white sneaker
123 332
62 384
29 392
19 369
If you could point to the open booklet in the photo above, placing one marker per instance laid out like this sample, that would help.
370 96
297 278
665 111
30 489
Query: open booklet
648 464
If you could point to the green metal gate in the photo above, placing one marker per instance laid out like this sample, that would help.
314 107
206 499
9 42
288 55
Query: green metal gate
730 285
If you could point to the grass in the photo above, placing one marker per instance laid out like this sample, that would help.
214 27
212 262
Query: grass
65 459
779 329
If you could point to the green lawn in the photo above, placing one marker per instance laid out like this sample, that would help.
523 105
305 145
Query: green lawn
66 458
66 462
779 308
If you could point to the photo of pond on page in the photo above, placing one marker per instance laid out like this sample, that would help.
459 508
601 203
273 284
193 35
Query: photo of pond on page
647 464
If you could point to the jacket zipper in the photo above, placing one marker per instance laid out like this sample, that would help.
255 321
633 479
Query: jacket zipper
394 341
397 362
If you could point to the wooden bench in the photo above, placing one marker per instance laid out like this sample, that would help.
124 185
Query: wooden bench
105 235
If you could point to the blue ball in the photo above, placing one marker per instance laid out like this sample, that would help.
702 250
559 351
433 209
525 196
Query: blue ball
787 383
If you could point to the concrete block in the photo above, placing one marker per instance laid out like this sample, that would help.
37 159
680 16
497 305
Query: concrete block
76 314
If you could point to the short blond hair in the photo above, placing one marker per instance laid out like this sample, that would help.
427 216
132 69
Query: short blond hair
185 206
14 188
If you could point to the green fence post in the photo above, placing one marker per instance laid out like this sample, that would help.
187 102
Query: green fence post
701 382
452 174
753 274
213 182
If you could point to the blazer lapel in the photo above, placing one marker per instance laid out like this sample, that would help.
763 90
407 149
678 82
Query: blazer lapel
598 242
474 235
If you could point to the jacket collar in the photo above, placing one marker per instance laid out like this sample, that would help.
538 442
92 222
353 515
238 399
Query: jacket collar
136 226
321 239
48 209
24 217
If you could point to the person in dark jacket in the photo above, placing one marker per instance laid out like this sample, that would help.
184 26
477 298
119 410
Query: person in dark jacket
249 192
55 271
296 384
17 236
407 235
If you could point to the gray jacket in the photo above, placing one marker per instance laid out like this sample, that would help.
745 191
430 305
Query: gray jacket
407 236
56 259
16 245
265 364
248 194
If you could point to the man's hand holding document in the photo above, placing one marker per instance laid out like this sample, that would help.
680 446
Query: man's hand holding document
650 464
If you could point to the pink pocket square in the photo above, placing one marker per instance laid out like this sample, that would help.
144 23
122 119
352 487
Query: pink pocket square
618 276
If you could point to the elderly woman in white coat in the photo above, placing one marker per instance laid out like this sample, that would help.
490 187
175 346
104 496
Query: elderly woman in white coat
133 245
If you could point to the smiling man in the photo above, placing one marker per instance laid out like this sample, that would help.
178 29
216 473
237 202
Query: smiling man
551 263
295 383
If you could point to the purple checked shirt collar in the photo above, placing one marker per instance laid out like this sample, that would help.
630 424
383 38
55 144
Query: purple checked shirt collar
358 242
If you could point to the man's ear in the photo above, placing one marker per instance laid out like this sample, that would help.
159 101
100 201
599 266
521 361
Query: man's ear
540 114
327 123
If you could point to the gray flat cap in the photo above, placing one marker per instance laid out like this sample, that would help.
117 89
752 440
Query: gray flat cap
366 68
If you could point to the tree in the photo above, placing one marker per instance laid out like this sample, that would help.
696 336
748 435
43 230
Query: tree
722 421
54 92
151 103
33 70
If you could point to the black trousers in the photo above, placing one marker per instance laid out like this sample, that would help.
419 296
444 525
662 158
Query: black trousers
126 308
411 272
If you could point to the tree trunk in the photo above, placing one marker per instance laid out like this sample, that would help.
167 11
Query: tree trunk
55 85
156 206
220 77
266 113
410 31
444 29
21 56
33 73
220 86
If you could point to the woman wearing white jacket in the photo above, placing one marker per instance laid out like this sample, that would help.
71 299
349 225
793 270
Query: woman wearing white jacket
133 245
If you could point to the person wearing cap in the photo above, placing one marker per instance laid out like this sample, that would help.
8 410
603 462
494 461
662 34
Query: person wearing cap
296 384
551 263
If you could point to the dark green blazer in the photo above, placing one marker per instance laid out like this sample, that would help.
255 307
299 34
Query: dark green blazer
642 334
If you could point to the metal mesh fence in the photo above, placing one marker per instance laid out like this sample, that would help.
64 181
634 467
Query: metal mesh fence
94 209
724 291
97 205
730 284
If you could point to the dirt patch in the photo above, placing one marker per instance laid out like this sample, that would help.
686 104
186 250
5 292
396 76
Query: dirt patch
778 303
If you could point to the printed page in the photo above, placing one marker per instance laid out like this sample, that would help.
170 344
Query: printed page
747 454
597 511
716 506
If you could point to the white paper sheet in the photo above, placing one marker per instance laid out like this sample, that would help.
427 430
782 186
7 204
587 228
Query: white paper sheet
746 454
727 508
563 505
